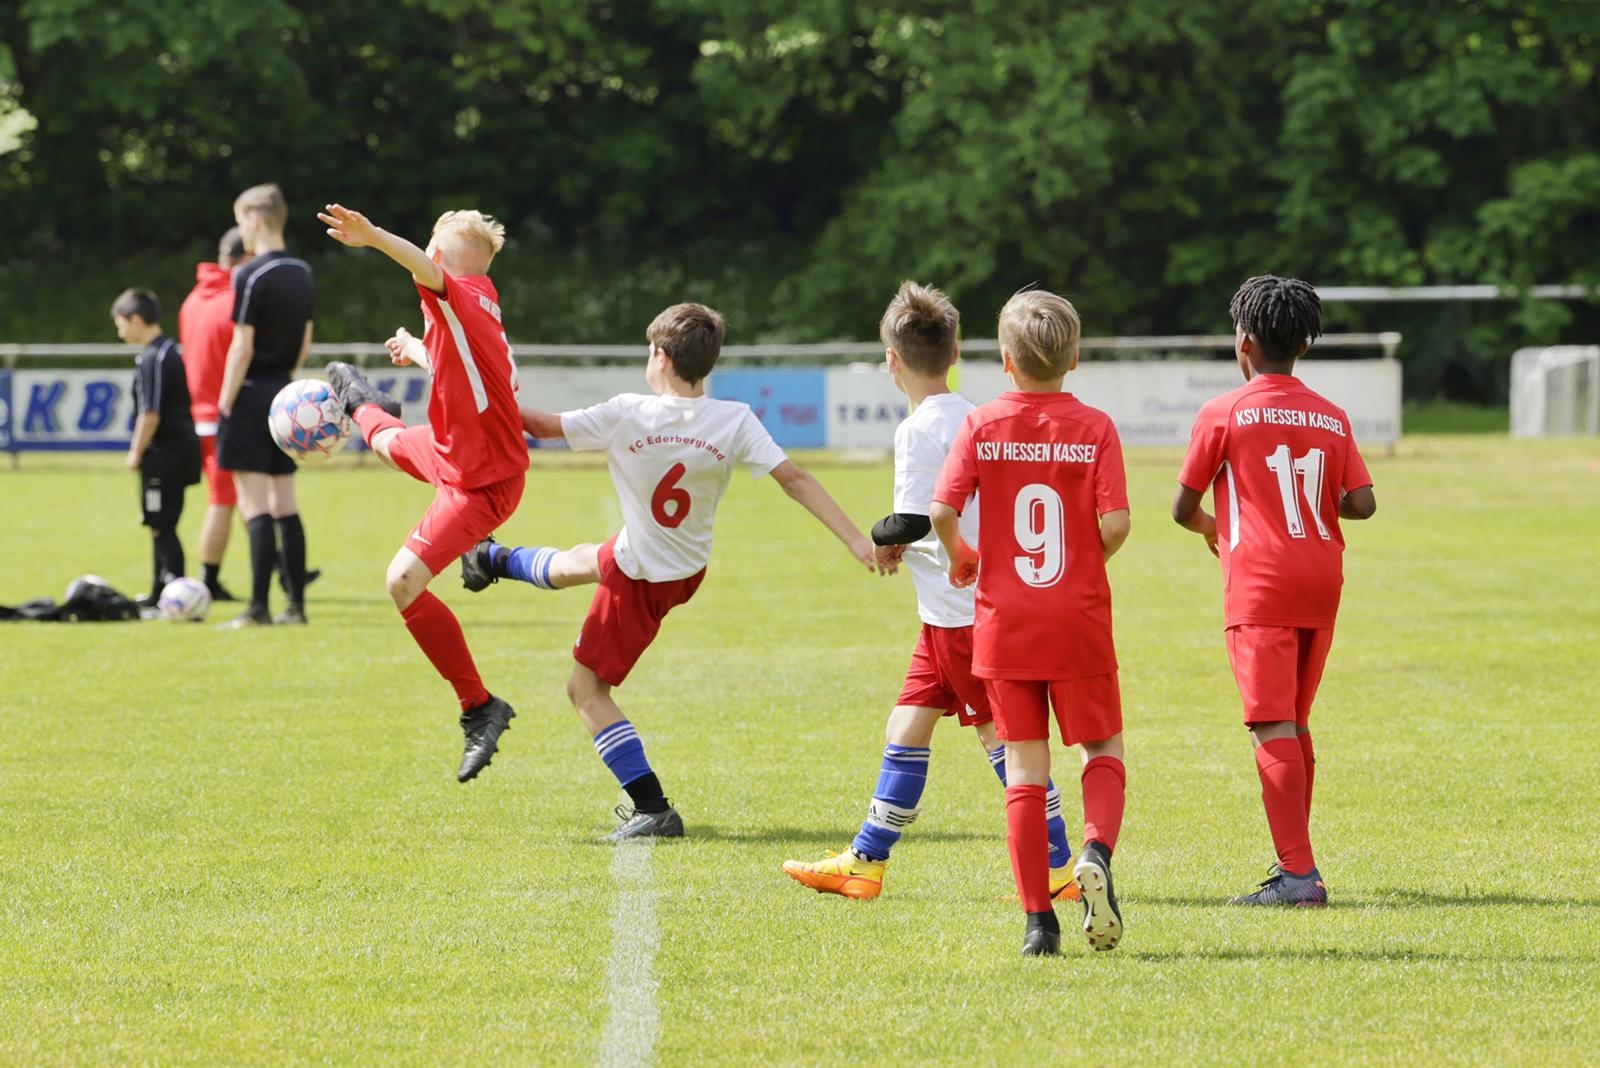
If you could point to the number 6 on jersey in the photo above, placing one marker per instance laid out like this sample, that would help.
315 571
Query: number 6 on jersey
669 492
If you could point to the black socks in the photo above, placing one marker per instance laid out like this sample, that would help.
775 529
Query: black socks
646 794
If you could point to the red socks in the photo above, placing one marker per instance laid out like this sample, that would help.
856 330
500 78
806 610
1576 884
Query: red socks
371 419
1309 756
1029 846
1105 782
438 633
1284 786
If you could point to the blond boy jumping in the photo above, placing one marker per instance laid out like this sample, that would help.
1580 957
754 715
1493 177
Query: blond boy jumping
472 449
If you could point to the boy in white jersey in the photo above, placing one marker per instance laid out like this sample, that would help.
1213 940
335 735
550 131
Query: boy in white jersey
919 333
671 456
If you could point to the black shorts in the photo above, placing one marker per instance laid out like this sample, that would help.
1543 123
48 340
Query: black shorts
243 441
164 473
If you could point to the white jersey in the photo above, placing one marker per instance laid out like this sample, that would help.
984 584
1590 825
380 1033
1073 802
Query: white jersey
921 442
670 459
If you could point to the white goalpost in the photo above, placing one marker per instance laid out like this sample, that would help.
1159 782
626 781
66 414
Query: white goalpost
1555 391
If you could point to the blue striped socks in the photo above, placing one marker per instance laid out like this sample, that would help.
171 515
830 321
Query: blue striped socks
619 746
1055 826
525 565
895 800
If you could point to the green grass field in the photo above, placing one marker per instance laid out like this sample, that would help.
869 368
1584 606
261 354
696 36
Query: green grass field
249 847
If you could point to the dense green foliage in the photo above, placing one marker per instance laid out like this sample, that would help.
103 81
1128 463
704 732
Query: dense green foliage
791 161
207 862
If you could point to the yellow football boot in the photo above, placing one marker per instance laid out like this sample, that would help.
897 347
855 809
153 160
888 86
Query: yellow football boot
1062 885
844 874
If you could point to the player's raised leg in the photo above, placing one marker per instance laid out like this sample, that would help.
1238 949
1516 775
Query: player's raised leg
619 746
544 567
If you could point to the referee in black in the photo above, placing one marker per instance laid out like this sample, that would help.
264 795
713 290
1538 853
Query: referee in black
273 297
164 449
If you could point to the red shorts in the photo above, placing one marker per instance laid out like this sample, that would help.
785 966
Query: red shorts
458 518
940 676
1278 670
1087 709
219 482
625 616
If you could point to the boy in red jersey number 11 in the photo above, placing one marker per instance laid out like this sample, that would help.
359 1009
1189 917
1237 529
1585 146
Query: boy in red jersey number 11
1053 508
1283 470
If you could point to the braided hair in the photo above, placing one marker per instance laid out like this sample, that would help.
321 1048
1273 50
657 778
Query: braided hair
1283 314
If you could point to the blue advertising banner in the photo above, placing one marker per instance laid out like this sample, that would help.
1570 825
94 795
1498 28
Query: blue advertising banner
791 403
67 410
5 411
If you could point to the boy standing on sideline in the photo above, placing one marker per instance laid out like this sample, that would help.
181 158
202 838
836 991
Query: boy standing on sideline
671 455
164 449
1283 470
472 451
273 297
205 330
1052 495
919 332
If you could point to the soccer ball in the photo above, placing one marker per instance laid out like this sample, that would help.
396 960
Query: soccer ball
307 421
184 599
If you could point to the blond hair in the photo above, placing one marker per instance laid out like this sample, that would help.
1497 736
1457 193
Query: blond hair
920 324
266 201
469 239
691 335
1040 330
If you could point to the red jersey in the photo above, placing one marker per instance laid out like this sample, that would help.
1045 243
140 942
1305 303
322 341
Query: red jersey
1045 467
1278 457
205 330
472 405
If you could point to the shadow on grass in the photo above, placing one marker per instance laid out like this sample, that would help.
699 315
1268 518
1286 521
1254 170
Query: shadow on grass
1379 956
797 836
1391 898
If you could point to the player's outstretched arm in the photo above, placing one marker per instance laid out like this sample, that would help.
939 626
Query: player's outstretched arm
799 484
545 426
1188 514
963 557
1358 504
355 230
1114 527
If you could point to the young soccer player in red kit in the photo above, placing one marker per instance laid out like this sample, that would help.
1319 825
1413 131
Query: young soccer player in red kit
472 449
1053 508
1283 470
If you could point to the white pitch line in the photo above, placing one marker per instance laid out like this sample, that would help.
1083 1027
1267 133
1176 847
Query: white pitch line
632 1020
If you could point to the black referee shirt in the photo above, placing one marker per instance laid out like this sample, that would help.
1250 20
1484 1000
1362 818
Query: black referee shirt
159 386
275 294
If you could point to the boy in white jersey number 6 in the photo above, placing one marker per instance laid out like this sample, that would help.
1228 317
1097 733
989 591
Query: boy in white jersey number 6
671 456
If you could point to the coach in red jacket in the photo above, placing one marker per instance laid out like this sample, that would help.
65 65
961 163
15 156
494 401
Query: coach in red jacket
205 327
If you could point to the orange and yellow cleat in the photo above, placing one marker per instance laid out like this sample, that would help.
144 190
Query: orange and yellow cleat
1062 885
844 874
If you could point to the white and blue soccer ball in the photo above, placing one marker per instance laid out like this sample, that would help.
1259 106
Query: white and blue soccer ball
307 421
184 600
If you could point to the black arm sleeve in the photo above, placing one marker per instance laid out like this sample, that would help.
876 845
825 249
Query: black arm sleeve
901 528
148 395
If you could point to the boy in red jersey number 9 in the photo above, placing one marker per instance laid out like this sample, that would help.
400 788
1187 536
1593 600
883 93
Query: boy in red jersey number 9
1053 507
1283 470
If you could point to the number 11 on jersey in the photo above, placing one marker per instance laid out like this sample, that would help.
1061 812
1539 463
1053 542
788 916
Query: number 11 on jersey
1310 469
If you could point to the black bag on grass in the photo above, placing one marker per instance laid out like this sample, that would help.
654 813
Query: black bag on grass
89 599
